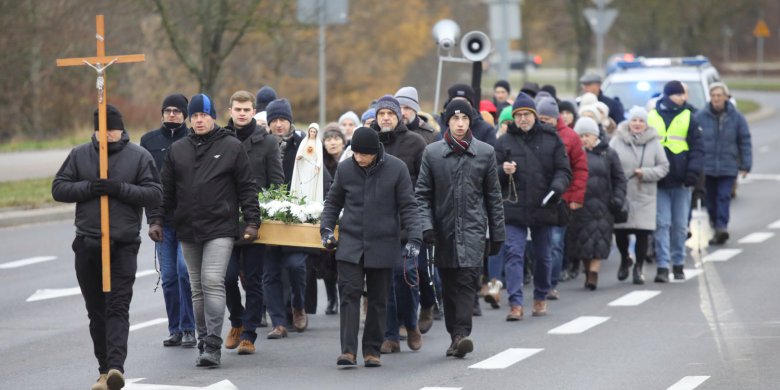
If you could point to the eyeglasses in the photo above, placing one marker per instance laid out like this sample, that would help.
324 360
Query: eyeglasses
172 111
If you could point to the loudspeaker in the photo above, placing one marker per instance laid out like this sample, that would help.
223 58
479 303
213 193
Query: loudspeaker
446 33
475 46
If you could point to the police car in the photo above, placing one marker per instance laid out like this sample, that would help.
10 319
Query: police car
636 82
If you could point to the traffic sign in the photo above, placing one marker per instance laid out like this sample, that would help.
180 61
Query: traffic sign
761 30
600 20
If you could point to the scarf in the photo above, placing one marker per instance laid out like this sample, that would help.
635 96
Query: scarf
458 146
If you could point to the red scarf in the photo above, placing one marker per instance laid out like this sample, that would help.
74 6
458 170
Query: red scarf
459 146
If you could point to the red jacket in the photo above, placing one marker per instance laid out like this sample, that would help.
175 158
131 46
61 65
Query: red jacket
578 161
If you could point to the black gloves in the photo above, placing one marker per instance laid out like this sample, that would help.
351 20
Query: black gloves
329 239
691 179
108 187
156 232
551 199
495 247
429 237
411 250
250 232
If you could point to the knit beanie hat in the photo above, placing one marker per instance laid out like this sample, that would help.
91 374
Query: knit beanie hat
176 100
503 84
458 107
264 96
589 108
407 96
390 103
549 89
524 102
548 107
113 119
279 108
202 103
673 87
369 114
350 115
586 125
506 115
588 98
530 88
365 141
487 105
637 112
566 105
461 90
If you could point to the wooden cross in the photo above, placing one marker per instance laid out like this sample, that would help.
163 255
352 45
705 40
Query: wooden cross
100 63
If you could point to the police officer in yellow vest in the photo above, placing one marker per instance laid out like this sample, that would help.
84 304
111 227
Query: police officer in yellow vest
681 138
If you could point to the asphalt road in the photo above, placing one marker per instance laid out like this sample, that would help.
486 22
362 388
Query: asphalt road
720 329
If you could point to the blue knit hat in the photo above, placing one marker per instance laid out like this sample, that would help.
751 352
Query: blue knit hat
202 103
524 102
264 96
279 108
390 103
369 114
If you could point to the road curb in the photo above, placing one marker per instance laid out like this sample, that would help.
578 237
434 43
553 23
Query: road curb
48 214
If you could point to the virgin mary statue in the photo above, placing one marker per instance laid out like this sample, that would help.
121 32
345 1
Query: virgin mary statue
307 174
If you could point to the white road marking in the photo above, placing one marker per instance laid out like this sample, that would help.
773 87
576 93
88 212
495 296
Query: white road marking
132 384
50 293
506 358
774 225
24 262
689 274
148 324
688 383
721 255
578 325
441 388
635 298
755 238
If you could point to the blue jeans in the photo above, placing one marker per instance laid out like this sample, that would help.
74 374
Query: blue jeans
249 259
672 225
295 263
495 265
402 299
175 283
557 250
515 259
719 199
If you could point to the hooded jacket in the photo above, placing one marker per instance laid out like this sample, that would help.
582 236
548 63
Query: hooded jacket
128 163
726 141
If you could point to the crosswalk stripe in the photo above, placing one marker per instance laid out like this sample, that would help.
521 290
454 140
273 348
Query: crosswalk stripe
506 358
722 255
635 298
774 225
688 383
578 325
689 274
28 261
148 324
756 238
441 388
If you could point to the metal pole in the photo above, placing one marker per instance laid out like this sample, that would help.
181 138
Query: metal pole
760 56
599 51
503 44
321 11
434 112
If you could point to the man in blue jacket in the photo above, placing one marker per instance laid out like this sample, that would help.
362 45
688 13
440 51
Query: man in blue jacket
727 153
681 138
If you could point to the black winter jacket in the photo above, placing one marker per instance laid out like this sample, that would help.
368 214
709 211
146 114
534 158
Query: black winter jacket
482 130
405 145
460 199
422 128
263 152
589 236
615 107
158 142
206 179
378 202
547 169
128 163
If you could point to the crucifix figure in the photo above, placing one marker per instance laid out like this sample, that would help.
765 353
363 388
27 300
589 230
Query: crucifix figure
100 63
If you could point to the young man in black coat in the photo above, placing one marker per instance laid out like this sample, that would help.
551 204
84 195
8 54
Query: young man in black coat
207 180
247 258
132 183
458 190
375 192
177 292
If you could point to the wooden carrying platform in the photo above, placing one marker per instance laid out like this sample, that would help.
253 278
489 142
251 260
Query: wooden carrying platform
283 234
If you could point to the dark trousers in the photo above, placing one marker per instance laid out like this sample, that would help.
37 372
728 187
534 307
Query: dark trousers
719 200
109 317
249 259
275 298
458 288
350 282
403 298
427 295
642 242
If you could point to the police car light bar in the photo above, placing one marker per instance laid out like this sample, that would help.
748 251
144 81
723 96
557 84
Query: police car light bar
643 62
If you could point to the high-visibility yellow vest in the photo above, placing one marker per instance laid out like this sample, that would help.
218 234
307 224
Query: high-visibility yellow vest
673 138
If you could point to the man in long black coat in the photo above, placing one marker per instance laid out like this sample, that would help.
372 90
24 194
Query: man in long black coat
375 192
458 190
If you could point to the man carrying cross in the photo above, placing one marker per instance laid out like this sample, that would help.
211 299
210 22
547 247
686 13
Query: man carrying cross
132 183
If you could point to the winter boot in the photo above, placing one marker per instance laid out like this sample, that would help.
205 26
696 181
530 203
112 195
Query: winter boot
639 277
212 352
625 264
662 276
114 379
426 319
677 271
100 384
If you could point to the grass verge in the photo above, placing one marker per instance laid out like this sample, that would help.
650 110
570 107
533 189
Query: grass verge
27 194
18 144
746 106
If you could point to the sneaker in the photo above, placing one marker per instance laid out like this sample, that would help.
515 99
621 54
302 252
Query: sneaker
174 340
662 276
677 271
426 320
390 346
210 358
553 294
515 313
463 345
278 332
114 379
346 360
540 308
188 339
100 384
233 337
493 295
246 347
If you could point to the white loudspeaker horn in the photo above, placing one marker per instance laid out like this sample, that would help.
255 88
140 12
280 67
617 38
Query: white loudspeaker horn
475 46
446 33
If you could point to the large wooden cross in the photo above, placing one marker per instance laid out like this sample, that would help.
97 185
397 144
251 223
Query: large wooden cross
100 63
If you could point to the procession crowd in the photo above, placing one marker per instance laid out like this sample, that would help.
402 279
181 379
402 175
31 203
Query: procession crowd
424 215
